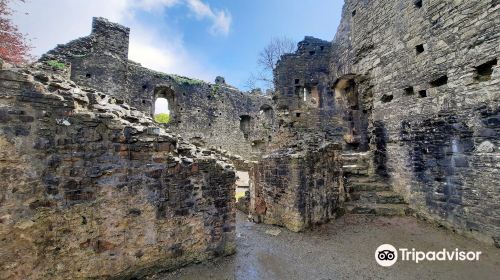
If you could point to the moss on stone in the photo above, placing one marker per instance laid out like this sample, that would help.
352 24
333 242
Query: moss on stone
55 64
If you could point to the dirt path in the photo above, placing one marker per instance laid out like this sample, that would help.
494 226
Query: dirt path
343 249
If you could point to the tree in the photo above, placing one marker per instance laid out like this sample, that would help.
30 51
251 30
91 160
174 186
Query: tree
162 118
14 46
268 58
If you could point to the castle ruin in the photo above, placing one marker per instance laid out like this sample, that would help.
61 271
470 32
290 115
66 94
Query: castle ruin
398 115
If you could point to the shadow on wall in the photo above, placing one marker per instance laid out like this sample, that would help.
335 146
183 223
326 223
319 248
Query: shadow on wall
379 140
438 149
355 119
246 125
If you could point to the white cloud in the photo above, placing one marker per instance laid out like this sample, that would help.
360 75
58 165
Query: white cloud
52 22
221 19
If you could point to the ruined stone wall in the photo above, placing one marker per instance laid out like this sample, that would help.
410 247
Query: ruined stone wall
297 190
432 69
94 189
305 102
209 115
299 183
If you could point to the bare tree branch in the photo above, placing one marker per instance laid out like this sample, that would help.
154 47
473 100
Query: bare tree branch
269 57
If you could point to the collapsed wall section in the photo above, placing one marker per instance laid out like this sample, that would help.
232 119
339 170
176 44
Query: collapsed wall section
434 127
297 190
94 189
306 111
208 115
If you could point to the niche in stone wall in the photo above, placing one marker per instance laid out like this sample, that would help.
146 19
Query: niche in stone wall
163 109
484 71
246 125
355 120
441 81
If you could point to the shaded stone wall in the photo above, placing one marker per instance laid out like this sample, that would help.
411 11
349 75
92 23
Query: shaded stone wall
94 189
306 111
434 81
297 190
207 115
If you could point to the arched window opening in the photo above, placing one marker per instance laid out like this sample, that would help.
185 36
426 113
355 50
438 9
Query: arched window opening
164 104
161 111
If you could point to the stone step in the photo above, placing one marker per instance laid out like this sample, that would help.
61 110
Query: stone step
368 186
355 169
380 197
363 178
377 209
356 155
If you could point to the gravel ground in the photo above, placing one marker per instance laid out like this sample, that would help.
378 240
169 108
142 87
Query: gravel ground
343 249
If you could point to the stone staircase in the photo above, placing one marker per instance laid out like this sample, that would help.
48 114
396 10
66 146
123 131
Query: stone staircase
366 193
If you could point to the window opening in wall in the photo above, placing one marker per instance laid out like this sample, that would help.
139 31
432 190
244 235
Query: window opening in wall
297 115
312 52
322 48
419 49
485 70
144 87
161 111
88 75
353 13
163 105
418 3
245 125
409 91
422 93
441 81
386 98
297 81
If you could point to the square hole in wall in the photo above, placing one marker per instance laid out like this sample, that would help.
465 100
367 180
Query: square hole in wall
409 91
418 3
485 70
312 52
297 81
386 98
297 115
353 13
419 49
422 93
88 75
441 81
322 48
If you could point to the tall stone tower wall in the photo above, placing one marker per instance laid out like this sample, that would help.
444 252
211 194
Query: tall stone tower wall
430 71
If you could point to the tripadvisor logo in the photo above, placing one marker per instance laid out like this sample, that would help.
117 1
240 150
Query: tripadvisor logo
387 255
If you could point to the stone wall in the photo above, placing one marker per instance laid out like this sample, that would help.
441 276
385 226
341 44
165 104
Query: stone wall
306 111
208 115
297 189
94 189
431 70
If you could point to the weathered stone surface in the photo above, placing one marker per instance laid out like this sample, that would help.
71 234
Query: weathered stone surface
85 193
297 190
216 116
431 76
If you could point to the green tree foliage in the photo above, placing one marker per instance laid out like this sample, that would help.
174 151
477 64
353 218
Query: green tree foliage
162 118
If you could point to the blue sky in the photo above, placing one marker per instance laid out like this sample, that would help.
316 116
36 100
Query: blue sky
196 38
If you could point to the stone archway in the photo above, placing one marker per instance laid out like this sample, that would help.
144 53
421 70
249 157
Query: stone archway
165 94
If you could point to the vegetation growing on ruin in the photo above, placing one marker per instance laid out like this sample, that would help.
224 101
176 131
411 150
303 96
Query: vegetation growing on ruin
215 90
185 80
162 118
55 64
